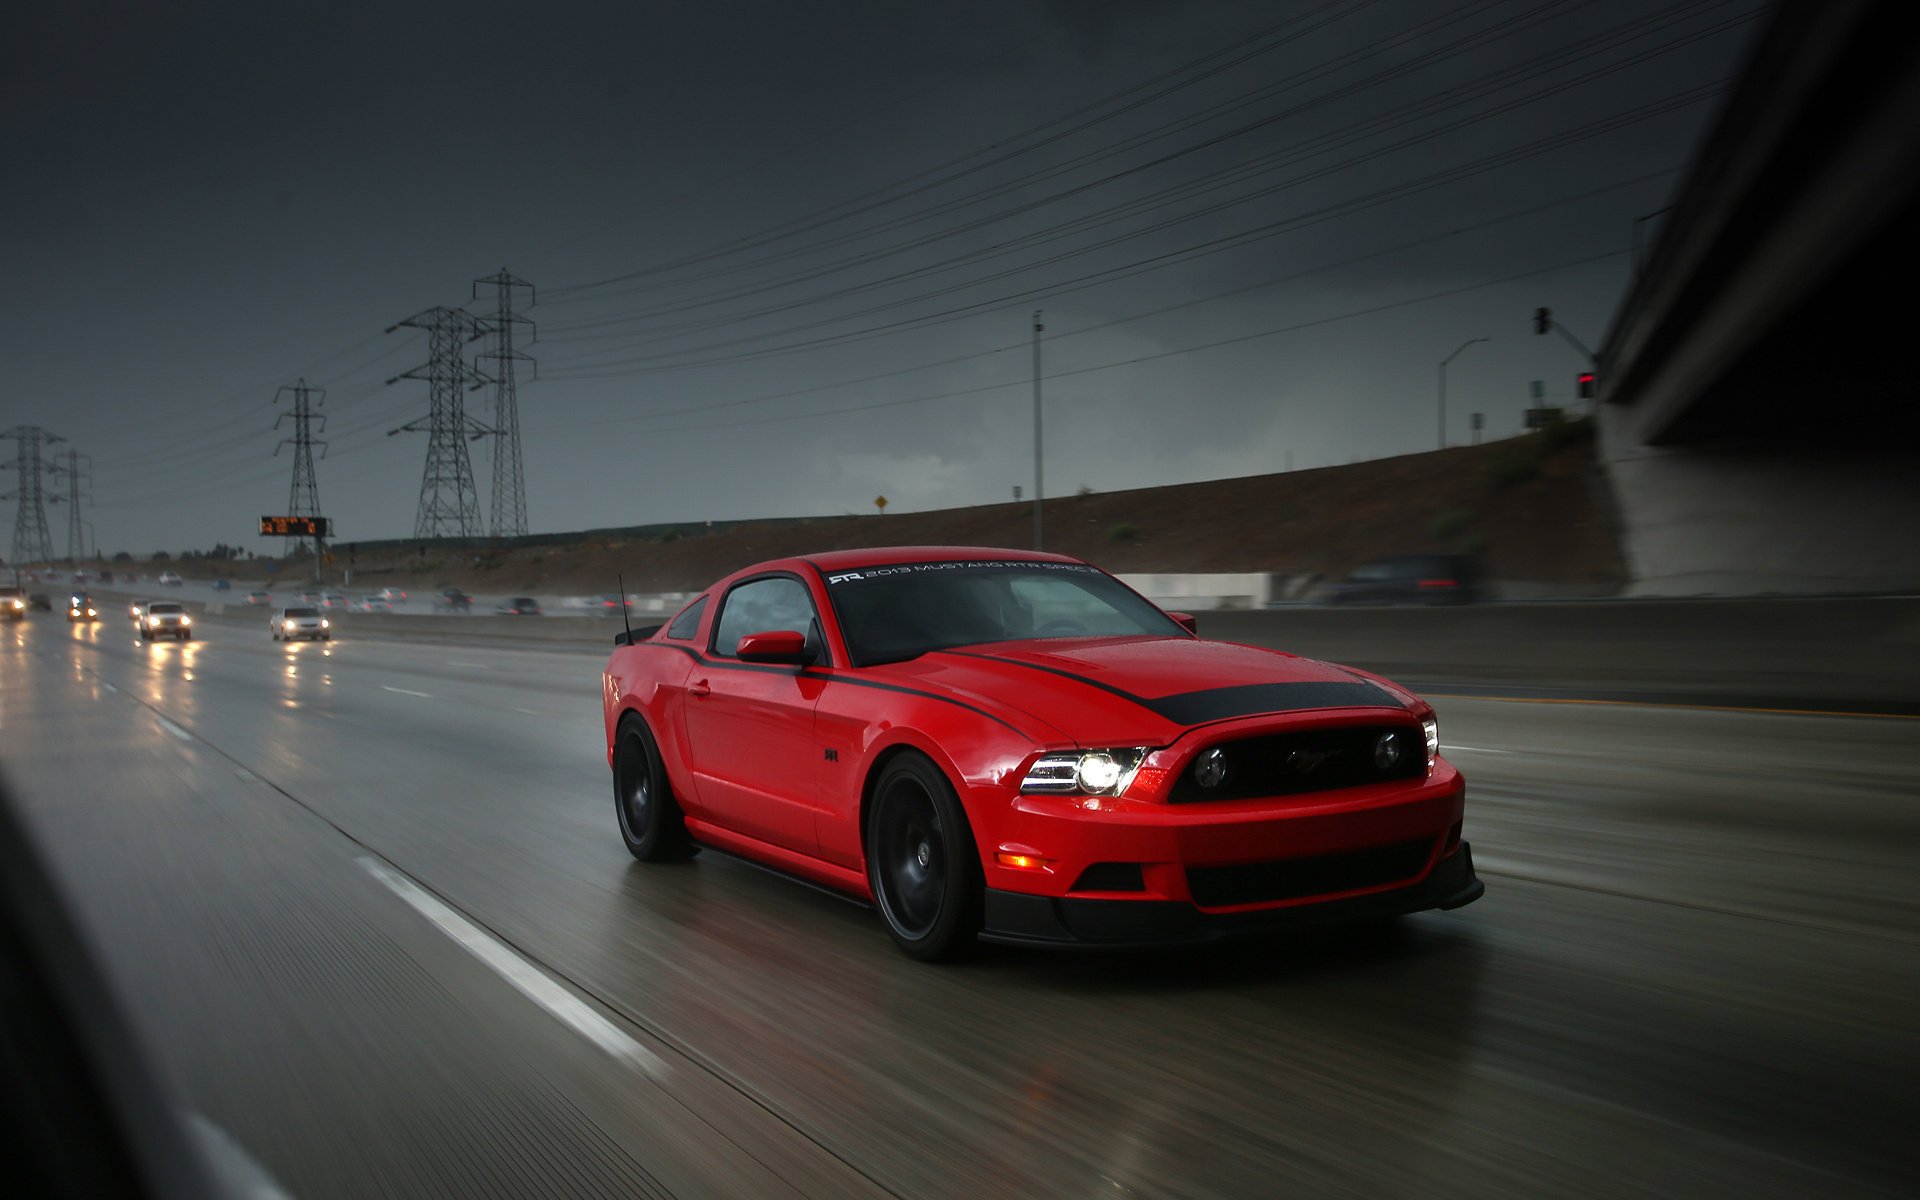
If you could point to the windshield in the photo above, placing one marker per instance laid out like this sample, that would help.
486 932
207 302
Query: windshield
303 612
163 608
903 610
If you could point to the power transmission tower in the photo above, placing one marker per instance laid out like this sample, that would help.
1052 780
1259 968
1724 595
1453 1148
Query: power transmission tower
304 499
31 541
449 504
509 483
68 466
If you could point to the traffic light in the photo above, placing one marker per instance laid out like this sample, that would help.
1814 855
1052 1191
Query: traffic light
1542 320
1586 385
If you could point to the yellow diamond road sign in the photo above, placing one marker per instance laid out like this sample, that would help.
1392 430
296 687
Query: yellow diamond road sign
880 502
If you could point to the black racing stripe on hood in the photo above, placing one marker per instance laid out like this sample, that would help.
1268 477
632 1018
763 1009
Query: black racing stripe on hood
1221 704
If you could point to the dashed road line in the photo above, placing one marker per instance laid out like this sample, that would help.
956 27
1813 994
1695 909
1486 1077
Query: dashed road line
405 692
563 1005
173 729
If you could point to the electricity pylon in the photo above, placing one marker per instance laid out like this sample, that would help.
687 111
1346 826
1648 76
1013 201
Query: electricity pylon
449 503
31 541
68 466
304 498
509 482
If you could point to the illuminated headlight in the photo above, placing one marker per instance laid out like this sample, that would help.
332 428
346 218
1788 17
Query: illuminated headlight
325 624
186 620
1084 772
1432 729
289 624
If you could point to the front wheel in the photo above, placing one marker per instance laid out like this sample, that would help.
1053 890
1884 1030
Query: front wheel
921 861
650 820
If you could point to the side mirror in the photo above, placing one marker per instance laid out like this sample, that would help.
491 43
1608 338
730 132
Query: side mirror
776 646
1186 621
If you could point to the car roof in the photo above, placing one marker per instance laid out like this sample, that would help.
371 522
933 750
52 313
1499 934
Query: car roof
840 560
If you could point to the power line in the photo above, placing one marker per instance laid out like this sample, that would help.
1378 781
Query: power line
68 466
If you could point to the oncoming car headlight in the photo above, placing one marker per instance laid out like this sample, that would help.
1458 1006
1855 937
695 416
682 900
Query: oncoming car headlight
1084 772
1431 727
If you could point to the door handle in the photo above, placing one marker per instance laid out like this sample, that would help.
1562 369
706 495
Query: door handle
699 688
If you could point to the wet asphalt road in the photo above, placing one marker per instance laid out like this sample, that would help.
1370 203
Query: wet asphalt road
1694 973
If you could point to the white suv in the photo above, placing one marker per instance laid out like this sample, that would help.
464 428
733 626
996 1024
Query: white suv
170 579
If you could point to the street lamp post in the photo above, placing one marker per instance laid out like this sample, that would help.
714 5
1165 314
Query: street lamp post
1443 385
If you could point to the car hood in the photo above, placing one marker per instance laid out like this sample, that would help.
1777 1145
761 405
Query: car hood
1126 690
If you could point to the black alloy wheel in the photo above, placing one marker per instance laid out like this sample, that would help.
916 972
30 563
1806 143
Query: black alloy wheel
650 822
921 862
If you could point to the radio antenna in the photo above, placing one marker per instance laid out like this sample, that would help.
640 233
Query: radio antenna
621 580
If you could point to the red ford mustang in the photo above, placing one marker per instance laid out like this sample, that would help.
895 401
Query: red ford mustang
1017 747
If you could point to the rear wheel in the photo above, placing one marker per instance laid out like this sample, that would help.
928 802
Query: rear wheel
921 861
650 821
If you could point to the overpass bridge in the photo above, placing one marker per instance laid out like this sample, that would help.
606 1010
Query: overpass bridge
1757 388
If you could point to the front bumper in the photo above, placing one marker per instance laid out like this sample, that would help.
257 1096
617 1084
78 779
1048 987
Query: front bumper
1023 919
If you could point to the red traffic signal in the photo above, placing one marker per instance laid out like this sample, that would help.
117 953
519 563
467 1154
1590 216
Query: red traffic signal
1586 385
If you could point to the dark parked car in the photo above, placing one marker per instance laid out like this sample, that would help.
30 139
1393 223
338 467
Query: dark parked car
1410 579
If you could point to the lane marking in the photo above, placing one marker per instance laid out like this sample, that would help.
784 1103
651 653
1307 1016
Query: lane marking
561 1004
1726 708
405 692
110 687
1479 750
529 712
242 773
477 666
173 729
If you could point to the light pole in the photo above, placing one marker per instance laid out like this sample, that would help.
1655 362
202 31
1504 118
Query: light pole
1039 484
1443 385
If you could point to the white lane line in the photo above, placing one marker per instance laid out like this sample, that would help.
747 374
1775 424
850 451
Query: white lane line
477 666
173 729
245 775
405 692
111 688
558 1002
1477 750
529 712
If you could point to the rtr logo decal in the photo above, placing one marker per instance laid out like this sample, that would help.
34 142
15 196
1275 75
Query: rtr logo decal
845 577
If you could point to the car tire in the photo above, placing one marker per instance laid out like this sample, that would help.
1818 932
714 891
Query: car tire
187 636
326 637
922 865
650 820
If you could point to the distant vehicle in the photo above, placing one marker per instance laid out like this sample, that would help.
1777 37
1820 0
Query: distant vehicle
81 608
39 602
138 610
166 618
295 624
519 606
13 602
83 576
1410 579
613 602
370 604
391 595
452 600
170 579
258 596
332 600
222 585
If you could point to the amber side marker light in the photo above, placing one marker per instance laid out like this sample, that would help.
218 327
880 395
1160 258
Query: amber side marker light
1021 862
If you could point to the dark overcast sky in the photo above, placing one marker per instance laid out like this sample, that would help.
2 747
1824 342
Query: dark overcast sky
207 200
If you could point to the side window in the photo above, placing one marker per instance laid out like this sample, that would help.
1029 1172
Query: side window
761 606
688 622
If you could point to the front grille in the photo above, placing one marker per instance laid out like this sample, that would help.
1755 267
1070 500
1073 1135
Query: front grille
1293 878
1310 760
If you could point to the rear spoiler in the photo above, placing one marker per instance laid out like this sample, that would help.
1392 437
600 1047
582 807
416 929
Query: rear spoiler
628 637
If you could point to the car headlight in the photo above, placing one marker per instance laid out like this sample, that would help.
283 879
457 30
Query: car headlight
1084 772
186 620
288 624
1431 727
325 624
